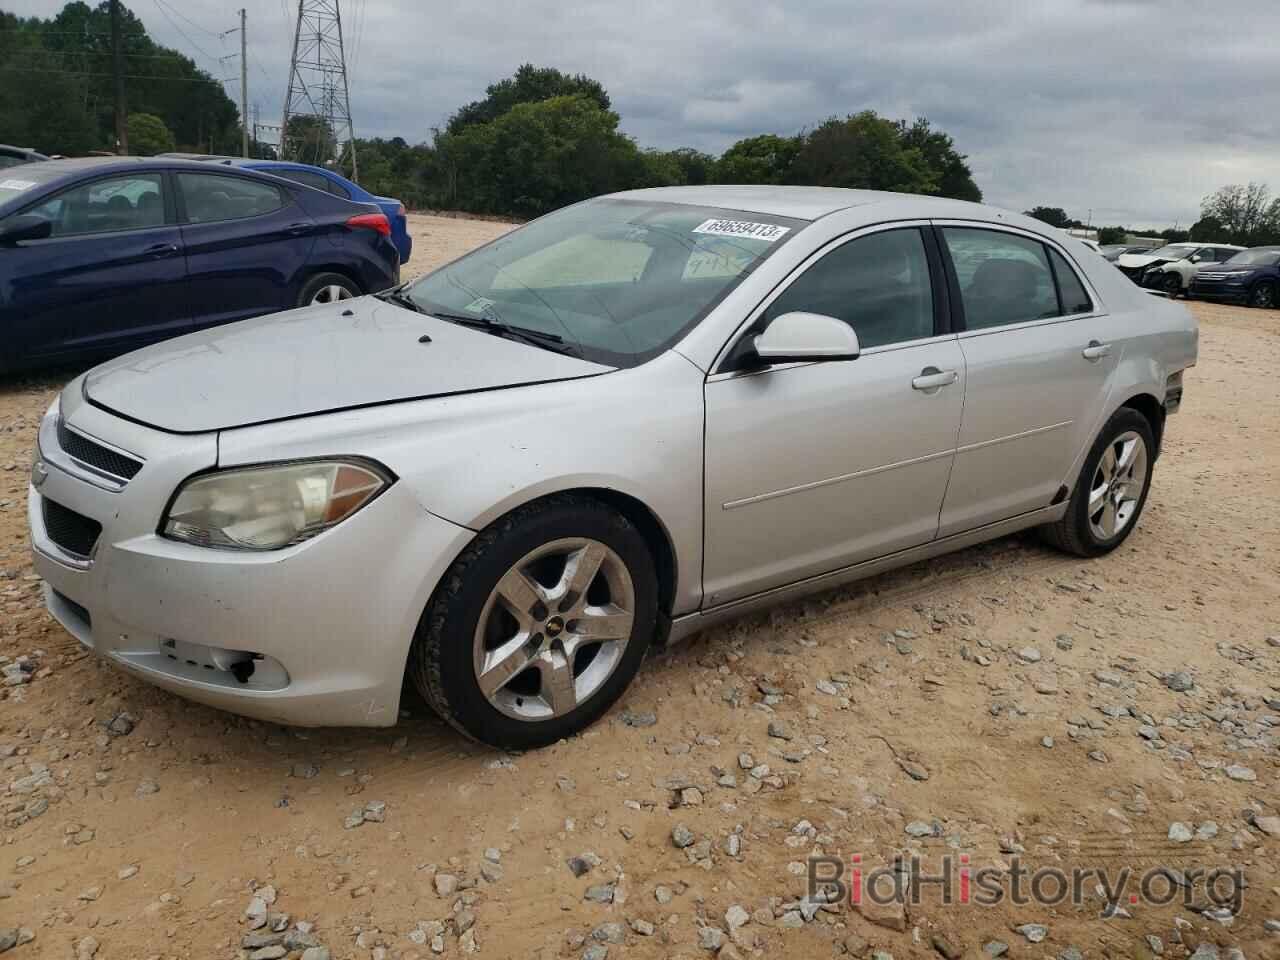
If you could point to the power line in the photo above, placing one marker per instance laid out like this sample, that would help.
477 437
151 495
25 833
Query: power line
161 7
216 36
126 76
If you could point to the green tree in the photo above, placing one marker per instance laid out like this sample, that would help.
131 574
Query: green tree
1054 216
148 135
539 156
1246 213
865 151
529 84
767 158
1207 230
955 179
1111 235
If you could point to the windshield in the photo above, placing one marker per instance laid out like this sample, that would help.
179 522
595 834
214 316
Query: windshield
1175 251
1262 257
17 180
621 280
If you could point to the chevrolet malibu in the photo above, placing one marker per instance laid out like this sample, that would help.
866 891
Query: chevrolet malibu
606 430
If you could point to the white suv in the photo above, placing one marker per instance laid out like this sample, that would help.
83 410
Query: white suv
1171 268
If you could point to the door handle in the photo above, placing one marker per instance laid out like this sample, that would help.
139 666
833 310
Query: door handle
298 229
931 378
160 250
1095 351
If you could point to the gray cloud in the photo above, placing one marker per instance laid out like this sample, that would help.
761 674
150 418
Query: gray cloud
1134 109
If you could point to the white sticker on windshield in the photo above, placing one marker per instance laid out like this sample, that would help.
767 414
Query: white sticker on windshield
767 232
17 184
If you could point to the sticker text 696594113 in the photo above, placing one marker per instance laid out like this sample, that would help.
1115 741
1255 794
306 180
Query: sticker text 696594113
768 232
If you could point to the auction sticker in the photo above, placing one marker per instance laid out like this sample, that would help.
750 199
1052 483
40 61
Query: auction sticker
768 232
28 184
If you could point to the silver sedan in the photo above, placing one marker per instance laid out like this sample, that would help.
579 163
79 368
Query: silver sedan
603 431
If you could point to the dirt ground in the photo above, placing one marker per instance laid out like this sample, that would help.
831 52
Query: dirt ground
917 705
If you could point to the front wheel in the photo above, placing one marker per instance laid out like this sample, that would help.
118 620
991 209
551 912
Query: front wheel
327 288
539 625
1263 294
1111 489
1171 284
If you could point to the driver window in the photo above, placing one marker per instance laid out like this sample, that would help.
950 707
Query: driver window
878 284
105 206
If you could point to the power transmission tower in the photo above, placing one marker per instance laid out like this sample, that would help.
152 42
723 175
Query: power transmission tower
316 126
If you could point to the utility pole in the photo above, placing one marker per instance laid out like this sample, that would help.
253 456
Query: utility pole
244 88
117 72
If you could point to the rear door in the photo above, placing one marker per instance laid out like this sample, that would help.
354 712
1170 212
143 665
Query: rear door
1039 352
247 245
110 276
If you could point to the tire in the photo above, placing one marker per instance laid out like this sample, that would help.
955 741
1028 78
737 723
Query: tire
1171 283
1263 294
471 628
1077 532
327 288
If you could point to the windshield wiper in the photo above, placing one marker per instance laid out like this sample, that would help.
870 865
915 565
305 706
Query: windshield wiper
538 338
401 299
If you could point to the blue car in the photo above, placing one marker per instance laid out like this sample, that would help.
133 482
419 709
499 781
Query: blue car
1251 276
335 183
104 254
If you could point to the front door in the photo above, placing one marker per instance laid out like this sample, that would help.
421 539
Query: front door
1039 356
816 466
109 277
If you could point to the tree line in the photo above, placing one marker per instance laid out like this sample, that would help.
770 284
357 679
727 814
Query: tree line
56 88
1243 214
541 139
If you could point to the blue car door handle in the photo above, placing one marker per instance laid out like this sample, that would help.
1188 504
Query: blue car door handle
159 250
298 229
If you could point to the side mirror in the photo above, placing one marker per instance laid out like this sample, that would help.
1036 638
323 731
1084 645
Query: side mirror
28 226
1196 258
800 337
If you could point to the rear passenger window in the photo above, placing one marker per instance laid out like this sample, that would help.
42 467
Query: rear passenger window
878 284
210 197
1071 290
1004 278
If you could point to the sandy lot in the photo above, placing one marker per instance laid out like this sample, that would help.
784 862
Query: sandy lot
1007 704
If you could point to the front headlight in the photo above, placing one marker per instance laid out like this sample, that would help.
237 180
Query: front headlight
273 506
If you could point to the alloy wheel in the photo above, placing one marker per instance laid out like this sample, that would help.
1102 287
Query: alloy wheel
332 294
554 628
1264 295
1117 485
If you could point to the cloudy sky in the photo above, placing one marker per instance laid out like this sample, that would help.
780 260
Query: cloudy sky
1134 109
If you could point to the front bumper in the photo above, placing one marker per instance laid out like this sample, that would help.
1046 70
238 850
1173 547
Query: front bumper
1233 291
327 623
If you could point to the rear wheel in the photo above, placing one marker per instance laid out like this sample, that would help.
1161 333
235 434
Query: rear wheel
327 288
1111 489
1263 294
539 626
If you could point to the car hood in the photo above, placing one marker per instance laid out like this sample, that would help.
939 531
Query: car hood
355 353
1132 260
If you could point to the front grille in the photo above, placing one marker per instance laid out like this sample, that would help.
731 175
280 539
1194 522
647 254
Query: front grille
73 532
95 455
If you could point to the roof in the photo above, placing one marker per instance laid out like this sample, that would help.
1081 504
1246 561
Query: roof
810 203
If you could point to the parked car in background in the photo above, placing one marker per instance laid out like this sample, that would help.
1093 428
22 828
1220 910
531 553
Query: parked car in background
1114 251
16 156
321 178
1251 276
772 391
101 255
1171 267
